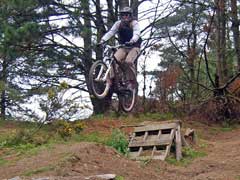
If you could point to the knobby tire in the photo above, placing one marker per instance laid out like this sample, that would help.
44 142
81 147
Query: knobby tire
100 88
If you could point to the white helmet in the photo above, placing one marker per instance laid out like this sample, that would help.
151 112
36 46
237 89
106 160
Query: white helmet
126 10
126 14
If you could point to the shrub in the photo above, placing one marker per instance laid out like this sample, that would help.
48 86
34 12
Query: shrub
118 140
24 137
66 129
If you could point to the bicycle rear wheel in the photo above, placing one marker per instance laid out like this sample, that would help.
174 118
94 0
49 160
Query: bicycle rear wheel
99 81
127 100
127 97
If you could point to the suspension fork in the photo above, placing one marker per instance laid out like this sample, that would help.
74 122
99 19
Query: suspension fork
107 72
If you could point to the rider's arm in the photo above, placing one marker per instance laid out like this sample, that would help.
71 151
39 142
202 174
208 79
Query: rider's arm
111 32
136 31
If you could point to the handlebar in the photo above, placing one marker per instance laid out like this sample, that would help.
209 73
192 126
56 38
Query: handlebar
118 46
104 45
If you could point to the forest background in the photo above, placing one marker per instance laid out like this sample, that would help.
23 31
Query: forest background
43 60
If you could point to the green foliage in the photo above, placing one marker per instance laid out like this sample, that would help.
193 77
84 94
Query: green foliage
192 154
118 140
189 155
3 162
64 85
24 138
39 170
91 137
66 129
157 116
119 178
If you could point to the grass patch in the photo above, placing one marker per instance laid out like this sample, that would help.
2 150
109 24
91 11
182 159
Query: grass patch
119 178
118 140
91 137
156 116
238 177
39 170
3 162
189 155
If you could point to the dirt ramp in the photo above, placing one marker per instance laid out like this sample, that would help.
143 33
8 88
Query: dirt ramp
93 159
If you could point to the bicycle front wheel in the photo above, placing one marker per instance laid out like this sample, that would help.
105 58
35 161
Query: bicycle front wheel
99 80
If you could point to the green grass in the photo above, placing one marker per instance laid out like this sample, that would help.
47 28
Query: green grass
118 140
38 170
119 178
3 162
189 155
91 137
156 116
238 177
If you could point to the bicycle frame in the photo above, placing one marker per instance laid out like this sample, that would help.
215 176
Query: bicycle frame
105 75
110 65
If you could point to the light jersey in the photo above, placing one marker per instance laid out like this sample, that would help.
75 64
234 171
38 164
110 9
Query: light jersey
126 32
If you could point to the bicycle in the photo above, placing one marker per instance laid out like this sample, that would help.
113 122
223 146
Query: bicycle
109 74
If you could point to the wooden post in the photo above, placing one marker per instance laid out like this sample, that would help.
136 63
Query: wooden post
178 143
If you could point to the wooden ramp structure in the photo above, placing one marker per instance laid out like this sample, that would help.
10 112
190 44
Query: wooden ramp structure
154 141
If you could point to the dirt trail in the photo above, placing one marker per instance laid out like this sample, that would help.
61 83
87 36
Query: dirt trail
77 161
221 163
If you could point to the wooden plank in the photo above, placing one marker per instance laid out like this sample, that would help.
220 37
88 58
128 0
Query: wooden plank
149 157
148 143
133 155
139 151
155 127
178 144
159 133
162 157
169 146
151 137
154 141
153 151
131 140
145 136
163 137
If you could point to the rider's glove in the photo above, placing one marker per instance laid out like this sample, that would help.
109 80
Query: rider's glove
101 43
128 43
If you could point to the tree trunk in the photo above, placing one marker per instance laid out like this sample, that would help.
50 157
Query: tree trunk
123 3
99 106
222 69
3 77
192 42
235 29
134 5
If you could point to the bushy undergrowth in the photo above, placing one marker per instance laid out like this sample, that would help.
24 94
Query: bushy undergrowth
189 154
23 137
118 140
66 129
222 109
33 136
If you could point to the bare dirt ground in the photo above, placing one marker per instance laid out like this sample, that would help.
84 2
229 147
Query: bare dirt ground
81 160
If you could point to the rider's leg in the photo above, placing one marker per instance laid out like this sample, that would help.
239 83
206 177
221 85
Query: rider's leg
120 54
131 57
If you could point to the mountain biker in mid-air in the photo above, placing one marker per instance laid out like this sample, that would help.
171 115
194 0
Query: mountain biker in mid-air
128 32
